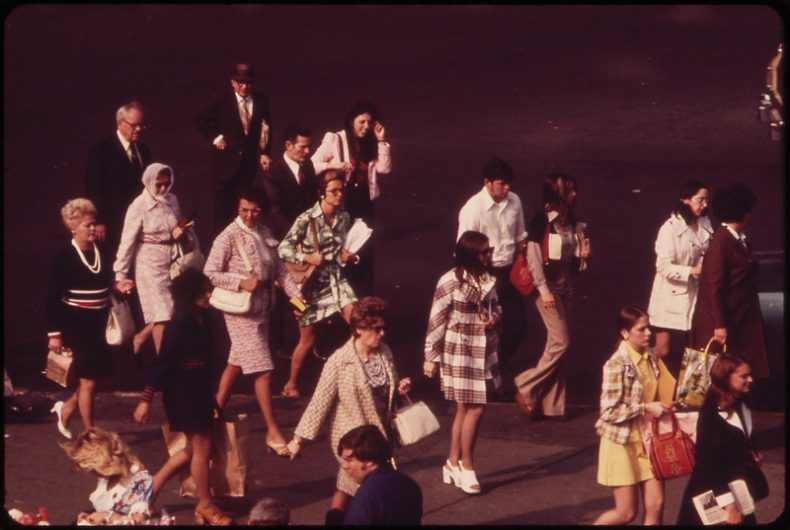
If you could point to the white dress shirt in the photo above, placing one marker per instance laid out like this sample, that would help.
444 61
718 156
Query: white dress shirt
293 165
502 223
127 146
740 236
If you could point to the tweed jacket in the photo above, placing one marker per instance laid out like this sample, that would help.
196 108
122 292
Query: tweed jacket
344 396
621 395
674 294
225 267
457 334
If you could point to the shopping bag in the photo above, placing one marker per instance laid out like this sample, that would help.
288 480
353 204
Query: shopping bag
120 325
694 378
60 367
671 453
414 422
229 462
194 259
687 422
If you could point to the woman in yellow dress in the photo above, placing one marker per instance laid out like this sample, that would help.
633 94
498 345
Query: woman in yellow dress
629 391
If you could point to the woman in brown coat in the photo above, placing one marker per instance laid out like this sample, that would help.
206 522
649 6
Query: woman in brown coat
728 306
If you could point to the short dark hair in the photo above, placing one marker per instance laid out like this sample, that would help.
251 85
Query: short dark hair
467 253
251 194
689 189
367 444
731 204
270 511
627 318
327 176
497 169
186 288
365 312
293 130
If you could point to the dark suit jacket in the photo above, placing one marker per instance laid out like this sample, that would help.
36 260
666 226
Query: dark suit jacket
728 298
112 183
287 199
240 159
722 455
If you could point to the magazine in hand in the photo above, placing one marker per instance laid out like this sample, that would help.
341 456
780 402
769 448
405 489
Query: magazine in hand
357 235
711 508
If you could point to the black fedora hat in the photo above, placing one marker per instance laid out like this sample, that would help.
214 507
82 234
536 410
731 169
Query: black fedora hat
243 72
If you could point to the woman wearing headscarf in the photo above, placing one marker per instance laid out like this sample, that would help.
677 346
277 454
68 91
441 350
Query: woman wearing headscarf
150 230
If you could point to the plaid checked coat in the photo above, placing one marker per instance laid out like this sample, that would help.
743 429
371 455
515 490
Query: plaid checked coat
344 396
457 334
621 395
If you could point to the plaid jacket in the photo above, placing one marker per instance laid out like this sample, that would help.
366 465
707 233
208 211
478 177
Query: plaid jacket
458 335
621 395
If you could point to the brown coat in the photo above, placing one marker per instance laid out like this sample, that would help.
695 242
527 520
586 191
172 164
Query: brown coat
728 299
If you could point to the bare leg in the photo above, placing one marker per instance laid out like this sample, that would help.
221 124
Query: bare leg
340 501
226 383
141 336
171 467
87 392
69 407
653 500
306 342
158 331
469 430
263 391
663 339
455 434
201 448
626 504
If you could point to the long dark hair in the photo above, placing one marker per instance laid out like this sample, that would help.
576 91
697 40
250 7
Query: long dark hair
467 254
365 148
186 288
555 192
689 189
724 366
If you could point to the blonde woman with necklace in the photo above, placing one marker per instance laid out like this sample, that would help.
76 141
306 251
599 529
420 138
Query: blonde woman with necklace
327 291
463 337
356 387
77 305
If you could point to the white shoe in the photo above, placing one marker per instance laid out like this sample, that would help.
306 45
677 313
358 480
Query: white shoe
469 483
57 408
451 474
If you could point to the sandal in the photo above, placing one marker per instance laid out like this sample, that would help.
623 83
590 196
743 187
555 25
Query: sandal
280 449
451 474
469 483
290 392
529 408
211 515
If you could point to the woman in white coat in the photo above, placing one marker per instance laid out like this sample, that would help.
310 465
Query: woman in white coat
682 242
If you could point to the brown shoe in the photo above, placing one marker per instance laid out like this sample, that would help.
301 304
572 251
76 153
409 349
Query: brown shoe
529 408
211 515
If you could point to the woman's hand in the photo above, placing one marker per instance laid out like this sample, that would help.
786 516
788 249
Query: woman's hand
55 344
378 130
340 166
249 284
294 446
315 258
733 515
585 250
696 270
177 233
404 385
429 368
656 409
548 301
123 286
141 412
720 334
347 256
491 322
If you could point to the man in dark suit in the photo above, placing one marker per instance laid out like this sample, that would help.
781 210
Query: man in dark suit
112 176
291 188
236 123
290 182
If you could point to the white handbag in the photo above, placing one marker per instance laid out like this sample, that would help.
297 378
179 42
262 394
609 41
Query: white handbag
234 302
414 422
194 259
120 325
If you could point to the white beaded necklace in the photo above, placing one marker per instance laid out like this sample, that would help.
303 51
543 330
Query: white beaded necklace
96 267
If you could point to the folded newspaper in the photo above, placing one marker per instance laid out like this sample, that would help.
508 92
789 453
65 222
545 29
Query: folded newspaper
711 507
357 235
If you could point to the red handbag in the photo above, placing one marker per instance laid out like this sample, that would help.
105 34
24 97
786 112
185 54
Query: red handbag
671 453
520 277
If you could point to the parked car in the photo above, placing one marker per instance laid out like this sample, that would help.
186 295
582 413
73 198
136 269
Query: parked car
771 109
770 393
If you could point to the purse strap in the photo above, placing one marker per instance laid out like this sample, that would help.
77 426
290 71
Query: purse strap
243 253
707 347
675 426
314 231
340 141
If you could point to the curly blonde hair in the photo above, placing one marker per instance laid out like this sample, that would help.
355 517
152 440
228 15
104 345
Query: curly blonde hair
101 451
74 210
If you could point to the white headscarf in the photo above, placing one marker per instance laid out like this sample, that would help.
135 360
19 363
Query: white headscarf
149 181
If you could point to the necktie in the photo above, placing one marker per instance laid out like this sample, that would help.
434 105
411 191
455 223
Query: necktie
245 116
300 175
133 156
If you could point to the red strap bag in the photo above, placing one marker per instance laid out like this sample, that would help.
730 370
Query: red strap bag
671 453
520 277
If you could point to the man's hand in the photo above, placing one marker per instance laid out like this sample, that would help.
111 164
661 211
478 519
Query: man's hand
265 162
221 144
101 233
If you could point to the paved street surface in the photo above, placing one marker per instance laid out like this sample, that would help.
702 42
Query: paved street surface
531 473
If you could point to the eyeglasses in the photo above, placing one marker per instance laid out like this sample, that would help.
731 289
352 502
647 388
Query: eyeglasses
249 210
140 125
337 191
377 328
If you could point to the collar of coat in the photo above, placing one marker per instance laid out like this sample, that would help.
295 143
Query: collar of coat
621 356
735 420
680 227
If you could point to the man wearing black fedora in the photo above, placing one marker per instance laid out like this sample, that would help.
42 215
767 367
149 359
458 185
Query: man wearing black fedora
237 125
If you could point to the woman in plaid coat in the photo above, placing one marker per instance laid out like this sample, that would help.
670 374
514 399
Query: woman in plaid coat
629 390
463 334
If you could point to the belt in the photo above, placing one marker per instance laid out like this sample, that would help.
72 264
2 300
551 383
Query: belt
87 304
167 242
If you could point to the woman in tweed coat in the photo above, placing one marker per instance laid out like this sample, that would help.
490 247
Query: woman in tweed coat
463 330
629 390
357 387
249 333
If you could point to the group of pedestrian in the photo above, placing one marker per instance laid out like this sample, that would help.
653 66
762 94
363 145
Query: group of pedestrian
284 244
